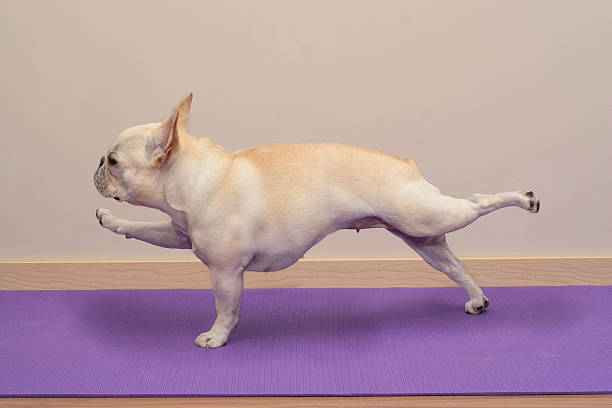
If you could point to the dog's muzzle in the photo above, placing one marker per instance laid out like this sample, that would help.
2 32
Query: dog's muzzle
99 181
98 178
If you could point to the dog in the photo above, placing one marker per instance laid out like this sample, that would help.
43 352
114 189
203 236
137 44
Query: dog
261 208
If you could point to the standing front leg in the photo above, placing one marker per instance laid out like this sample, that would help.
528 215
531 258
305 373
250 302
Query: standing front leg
227 284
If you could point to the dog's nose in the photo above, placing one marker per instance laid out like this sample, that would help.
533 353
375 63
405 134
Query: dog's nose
101 162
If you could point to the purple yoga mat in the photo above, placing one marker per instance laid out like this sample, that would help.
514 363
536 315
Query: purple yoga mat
394 341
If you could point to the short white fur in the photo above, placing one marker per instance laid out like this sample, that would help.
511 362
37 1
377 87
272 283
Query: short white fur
262 208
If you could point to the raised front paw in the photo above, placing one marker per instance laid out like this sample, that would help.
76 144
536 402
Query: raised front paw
210 339
108 221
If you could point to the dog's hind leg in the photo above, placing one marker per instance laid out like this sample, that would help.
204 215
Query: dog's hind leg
438 255
420 210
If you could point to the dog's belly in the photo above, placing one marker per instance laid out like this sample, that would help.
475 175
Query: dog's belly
282 248
262 262
268 260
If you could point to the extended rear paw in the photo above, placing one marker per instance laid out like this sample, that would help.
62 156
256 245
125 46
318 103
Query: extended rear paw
530 202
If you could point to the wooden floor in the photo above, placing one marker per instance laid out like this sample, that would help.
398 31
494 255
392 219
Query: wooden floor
582 401
42 275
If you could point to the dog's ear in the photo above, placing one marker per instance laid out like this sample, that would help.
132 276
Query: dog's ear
183 108
167 140
169 134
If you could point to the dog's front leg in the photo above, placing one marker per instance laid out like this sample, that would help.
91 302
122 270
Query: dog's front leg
162 233
227 284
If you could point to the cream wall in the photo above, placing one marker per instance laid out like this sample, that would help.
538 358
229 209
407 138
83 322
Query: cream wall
487 96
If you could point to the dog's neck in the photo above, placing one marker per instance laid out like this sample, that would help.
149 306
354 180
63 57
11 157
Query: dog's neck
195 156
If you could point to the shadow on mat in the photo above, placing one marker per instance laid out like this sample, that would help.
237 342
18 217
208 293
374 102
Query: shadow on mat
133 317
167 320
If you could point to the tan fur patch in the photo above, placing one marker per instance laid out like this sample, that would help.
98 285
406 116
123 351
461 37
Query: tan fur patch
296 172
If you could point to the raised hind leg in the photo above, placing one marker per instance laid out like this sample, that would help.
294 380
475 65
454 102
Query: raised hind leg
437 254
422 211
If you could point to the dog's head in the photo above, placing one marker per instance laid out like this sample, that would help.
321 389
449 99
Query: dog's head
132 168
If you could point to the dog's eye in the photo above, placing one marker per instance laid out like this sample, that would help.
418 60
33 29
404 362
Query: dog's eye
111 161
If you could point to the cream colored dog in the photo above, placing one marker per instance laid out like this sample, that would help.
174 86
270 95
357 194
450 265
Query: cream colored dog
262 208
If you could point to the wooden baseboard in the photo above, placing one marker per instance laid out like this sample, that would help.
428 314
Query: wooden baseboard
322 273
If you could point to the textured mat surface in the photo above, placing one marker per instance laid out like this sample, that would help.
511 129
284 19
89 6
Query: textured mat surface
307 342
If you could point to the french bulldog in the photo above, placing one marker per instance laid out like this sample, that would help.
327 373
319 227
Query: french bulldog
261 208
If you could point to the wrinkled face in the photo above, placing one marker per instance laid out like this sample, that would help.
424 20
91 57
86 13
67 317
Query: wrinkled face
127 172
